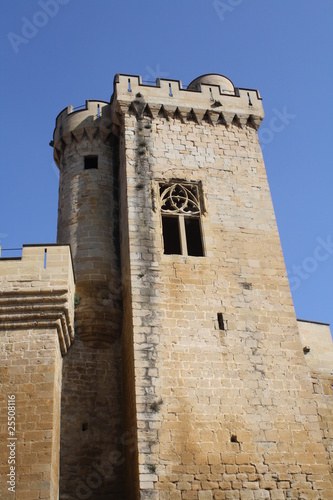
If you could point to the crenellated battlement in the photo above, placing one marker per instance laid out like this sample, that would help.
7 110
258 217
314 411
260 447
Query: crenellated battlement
87 118
69 118
212 98
209 98
38 291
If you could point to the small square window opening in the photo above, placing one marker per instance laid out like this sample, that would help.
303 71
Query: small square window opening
90 162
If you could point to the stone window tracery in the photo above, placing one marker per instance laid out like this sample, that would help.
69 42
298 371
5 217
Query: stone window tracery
180 211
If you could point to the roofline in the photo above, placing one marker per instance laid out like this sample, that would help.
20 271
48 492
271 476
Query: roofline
315 322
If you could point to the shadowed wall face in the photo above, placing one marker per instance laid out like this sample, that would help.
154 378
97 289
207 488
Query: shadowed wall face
91 456
91 419
88 221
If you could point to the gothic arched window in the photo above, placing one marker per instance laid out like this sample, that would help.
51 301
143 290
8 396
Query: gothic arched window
181 210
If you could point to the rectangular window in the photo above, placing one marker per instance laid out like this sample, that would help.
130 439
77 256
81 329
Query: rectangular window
193 236
171 235
181 225
90 162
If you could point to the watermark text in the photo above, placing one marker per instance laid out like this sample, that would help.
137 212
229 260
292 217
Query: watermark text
30 27
309 265
225 7
275 125
11 442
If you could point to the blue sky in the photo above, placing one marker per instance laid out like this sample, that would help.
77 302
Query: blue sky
60 52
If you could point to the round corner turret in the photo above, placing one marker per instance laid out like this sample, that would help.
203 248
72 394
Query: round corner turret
224 83
85 152
92 116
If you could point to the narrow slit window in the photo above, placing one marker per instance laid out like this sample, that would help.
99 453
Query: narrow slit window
90 162
98 111
45 257
220 321
170 90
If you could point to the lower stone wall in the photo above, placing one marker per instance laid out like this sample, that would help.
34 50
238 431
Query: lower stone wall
31 371
318 350
91 462
130 445
238 418
36 318
323 390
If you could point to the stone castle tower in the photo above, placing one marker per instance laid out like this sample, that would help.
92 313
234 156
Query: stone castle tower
187 377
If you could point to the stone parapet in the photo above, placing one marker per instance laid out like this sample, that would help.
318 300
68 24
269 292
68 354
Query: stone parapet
38 291
78 123
216 102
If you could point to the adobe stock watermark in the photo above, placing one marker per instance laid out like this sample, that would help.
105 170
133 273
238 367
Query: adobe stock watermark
101 472
222 8
276 124
11 443
30 27
309 265
153 73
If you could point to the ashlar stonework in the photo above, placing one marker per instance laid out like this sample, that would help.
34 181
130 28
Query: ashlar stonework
189 377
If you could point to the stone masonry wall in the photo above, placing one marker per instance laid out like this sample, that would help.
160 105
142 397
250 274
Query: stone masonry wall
318 347
88 221
221 413
322 389
31 370
92 458
130 449
36 317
